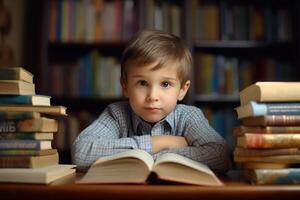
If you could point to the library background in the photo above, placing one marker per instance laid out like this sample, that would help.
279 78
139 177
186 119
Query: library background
73 48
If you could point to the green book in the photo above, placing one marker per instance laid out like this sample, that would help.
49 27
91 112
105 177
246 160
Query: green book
26 152
39 100
19 115
16 73
26 136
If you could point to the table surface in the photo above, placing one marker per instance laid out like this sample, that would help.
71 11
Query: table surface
232 189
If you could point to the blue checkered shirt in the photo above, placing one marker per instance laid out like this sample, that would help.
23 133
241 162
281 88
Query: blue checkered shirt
119 129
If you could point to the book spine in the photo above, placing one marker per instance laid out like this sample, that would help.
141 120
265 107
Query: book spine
276 176
20 136
18 115
272 120
275 109
10 74
282 120
19 99
20 144
272 141
15 162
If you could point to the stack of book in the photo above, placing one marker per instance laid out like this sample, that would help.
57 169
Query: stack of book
27 131
268 140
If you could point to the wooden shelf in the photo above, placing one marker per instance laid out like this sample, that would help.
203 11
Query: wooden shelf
241 45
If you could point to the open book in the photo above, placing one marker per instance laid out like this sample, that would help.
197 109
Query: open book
135 166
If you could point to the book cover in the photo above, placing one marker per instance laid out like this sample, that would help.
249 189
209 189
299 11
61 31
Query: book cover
238 151
42 124
261 141
16 87
43 175
241 130
261 165
18 115
26 152
51 110
25 144
273 176
15 73
271 92
260 109
28 161
272 120
287 159
136 166
39 100
26 136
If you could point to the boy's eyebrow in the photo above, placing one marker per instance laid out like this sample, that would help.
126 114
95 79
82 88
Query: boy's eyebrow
164 78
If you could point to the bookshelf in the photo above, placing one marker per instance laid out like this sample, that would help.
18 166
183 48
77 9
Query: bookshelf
234 43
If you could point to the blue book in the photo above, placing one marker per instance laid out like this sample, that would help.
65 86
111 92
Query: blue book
261 109
39 100
274 176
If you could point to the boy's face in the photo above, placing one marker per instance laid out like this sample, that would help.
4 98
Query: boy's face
153 94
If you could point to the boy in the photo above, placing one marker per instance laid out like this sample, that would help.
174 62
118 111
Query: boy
155 72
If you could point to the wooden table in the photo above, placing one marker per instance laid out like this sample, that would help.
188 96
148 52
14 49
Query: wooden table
231 190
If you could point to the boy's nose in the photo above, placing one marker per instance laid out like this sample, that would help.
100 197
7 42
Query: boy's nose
152 95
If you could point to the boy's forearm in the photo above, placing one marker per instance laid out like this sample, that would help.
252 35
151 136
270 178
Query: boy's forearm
165 142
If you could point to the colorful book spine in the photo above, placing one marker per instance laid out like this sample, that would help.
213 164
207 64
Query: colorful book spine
274 176
26 136
26 152
25 144
19 115
22 99
275 108
272 120
28 125
28 161
250 140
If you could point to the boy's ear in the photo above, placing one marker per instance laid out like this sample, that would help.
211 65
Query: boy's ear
183 90
124 88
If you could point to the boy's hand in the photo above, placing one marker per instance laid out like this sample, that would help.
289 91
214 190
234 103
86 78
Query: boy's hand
165 142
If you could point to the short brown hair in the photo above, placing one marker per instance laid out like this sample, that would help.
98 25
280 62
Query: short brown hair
149 46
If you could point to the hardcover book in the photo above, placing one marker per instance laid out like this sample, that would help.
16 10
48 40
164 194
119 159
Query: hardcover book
271 92
241 130
43 175
12 87
29 125
18 115
38 100
26 152
238 151
136 166
25 144
52 110
287 159
28 161
272 120
273 176
260 109
261 141
261 165
26 136
15 73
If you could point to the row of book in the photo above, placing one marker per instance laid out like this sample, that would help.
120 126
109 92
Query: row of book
27 129
92 76
241 21
92 20
268 139
217 74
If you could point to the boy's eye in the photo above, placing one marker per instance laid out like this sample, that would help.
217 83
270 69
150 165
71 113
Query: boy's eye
166 84
142 82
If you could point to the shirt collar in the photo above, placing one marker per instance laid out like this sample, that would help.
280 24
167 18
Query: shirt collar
169 119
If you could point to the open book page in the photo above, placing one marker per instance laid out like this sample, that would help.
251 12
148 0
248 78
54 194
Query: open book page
178 168
132 166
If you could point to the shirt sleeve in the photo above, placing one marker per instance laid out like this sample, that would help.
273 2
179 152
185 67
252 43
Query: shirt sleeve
205 144
104 137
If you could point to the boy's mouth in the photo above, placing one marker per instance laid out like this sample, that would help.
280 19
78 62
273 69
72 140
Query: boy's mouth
151 109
